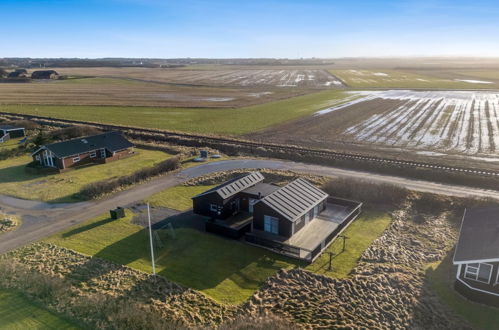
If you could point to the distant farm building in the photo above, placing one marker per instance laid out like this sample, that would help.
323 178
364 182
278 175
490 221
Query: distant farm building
477 256
45 74
102 148
7 132
298 220
19 73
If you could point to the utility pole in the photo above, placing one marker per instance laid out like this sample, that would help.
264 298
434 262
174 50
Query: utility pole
150 239
331 254
344 242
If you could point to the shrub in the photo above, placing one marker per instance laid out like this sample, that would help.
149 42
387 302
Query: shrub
73 132
366 191
27 124
99 188
8 153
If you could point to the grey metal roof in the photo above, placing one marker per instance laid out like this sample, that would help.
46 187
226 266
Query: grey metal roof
262 188
479 236
295 199
234 186
112 141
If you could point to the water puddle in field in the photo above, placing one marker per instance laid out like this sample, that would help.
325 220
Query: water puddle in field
471 81
455 121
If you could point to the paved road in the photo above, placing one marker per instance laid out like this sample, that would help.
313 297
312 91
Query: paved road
41 220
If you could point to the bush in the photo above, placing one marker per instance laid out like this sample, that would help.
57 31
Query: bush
8 153
96 189
27 124
366 191
73 132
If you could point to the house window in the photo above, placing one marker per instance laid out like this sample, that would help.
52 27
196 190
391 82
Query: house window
214 207
478 272
103 153
251 204
76 159
271 224
93 154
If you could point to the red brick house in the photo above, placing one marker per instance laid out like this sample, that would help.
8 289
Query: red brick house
101 148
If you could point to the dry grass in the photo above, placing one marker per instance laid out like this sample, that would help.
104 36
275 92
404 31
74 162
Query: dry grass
258 76
122 92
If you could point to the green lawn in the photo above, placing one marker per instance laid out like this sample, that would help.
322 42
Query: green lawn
398 79
16 181
207 121
361 233
10 144
226 270
441 278
178 198
18 313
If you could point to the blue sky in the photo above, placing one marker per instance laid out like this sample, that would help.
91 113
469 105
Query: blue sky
224 29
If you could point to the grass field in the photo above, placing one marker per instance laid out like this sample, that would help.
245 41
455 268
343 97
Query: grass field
226 270
207 121
18 313
123 91
361 233
442 278
16 181
10 144
178 198
399 79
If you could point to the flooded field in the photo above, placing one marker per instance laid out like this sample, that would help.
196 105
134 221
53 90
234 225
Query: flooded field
432 123
257 77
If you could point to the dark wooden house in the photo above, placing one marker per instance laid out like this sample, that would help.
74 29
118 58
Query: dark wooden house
8 132
102 148
19 73
45 74
298 220
226 199
13 131
290 208
477 256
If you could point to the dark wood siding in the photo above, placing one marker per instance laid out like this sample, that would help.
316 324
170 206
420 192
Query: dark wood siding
261 209
201 205
16 133
491 287
245 197
299 224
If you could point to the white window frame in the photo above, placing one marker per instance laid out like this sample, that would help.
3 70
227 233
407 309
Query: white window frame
93 154
103 153
473 271
76 159
214 207
251 204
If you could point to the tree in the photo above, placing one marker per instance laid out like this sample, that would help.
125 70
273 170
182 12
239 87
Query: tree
40 139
